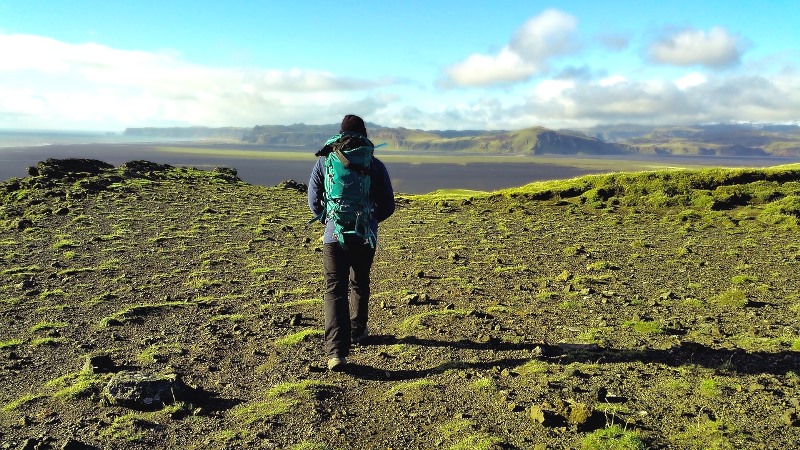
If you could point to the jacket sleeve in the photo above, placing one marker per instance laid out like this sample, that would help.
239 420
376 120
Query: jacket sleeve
316 189
383 194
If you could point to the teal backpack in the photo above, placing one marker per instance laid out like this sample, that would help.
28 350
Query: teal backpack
347 187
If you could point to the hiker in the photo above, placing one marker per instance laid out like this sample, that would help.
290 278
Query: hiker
350 192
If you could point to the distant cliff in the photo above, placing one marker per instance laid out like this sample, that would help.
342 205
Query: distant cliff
699 140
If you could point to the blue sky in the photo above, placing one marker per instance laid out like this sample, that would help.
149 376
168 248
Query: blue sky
107 65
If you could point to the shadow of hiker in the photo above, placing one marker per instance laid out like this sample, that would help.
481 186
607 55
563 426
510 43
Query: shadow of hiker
687 353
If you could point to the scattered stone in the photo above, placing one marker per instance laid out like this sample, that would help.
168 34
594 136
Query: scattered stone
143 169
790 418
71 444
63 211
99 364
70 167
545 417
30 444
138 390
293 185
579 413
411 299
296 320
420 274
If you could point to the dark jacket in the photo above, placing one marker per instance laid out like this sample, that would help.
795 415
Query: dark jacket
381 194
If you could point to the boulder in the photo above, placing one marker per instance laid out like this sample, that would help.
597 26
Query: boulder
293 185
69 168
99 364
143 169
137 390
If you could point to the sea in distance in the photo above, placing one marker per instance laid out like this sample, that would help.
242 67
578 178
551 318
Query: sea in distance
410 173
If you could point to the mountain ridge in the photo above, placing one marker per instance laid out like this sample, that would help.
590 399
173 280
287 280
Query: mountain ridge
698 140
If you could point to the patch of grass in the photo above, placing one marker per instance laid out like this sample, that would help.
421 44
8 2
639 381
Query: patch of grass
708 434
264 270
484 384
52 293
47 341
645 327
22 272
64 243
308 389
532 367
77 384
155 352
600 265
454 427
249 413
613 438
24 400
44 326
422 319
10 343
709 388
744 279
130 313
296 338
410 389
129 427
732 298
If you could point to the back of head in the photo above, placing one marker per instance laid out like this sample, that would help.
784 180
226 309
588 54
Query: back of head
353 124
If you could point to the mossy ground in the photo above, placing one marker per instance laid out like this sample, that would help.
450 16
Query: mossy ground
668 314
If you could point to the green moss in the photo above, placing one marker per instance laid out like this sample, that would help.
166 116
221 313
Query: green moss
707 434
645 327
44 326
77 384
24 400
296 338
10 343
613 438
731 298
250 413
47 341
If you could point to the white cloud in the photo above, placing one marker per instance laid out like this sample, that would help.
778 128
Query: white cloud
715 48
74 84
690 80
551 89
541 38
612 80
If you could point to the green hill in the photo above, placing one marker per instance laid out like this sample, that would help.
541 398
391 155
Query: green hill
698 140
625 310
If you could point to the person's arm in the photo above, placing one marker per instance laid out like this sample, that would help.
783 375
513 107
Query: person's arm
316 190
383 193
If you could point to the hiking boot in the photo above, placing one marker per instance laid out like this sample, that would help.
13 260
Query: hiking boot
360 339
337 364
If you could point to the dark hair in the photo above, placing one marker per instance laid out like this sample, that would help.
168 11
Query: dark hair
353 124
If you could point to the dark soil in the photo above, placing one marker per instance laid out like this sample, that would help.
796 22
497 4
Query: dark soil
496 322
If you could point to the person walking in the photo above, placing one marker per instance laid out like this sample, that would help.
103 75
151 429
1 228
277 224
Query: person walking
350 192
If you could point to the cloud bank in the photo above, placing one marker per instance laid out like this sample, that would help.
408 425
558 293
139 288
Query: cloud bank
714 48
537 78
542 37
47 80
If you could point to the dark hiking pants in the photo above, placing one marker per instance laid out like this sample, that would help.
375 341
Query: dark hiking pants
346 294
